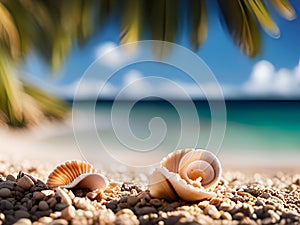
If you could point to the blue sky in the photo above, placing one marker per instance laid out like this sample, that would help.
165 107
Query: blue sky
274 72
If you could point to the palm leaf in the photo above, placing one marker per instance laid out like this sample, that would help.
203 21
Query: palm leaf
198 22
10 94
164 24
242 26
263 17
130 28
284 8
9 35
50 106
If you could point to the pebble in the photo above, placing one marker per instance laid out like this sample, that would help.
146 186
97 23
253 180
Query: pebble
132 200
5 205
43 206
5 193
126 219
11 177
226 216
212 211
59 222
155 202
238 216
7 184
23 221
106 217
37 195
25 182
21 214
145 210
68 213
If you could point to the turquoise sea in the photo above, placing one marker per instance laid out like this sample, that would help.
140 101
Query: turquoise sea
139 133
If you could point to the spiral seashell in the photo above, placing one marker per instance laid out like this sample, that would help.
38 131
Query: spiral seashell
189 174
76 174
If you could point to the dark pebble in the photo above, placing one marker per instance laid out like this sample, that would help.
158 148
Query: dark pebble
21 214
5 205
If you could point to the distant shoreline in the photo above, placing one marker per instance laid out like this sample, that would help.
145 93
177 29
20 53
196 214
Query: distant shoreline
248 100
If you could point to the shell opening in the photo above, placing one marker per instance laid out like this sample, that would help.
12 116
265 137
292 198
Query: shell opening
200 172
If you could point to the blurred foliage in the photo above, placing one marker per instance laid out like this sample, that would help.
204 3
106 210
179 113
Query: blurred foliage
52 27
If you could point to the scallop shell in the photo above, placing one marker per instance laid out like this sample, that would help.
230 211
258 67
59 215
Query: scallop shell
189 174
76 174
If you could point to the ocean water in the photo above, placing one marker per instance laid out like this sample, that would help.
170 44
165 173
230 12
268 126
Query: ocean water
141 133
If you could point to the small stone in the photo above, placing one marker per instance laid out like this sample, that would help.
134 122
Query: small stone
45 219
80 203
59 222
60 206
7 184
265 195
43 213
145 210
34 209
275 217
43 206
21 214
5 205
126 219
212 211
125 211
68 213
50 193
5 193
91 195
55 215
155 202
11 177
267 220
216 201
19 189
106 217
25 182
51 202
203 219
132 200
225 206
203 204
226 216
37 195
238 216
23 221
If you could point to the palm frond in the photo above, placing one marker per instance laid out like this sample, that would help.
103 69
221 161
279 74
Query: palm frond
131 23
164 24
198 22
9 35
284 8
50 106
242 26
10 94
263 17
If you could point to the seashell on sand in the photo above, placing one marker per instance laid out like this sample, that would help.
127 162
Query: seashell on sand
189 174
76 174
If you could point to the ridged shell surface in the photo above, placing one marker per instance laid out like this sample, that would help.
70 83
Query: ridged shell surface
189 174
76 174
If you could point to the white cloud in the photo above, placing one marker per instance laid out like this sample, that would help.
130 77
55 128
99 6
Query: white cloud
111 55
265 81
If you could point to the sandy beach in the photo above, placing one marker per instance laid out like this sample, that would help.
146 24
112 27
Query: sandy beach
253 189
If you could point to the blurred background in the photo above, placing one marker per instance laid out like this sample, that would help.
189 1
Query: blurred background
252 49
